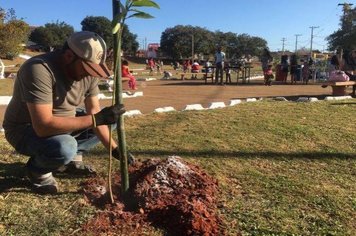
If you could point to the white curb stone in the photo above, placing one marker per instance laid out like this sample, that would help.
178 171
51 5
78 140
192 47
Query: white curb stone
193 107
337 98
251 100
215 105
164 109
234 102
303 99
313 99
103 96
135 94
4 100
280 99
146 79
307 99
132 113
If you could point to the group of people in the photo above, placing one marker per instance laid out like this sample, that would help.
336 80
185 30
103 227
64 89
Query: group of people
304 69
153 65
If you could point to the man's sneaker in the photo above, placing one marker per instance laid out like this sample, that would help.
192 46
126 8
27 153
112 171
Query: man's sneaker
43 183
77 168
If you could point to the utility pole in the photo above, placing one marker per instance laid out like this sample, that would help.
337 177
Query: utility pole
311 39
296 42
345 8
145 44
283 40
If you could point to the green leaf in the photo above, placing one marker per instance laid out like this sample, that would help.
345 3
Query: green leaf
144 3
123 9
142 15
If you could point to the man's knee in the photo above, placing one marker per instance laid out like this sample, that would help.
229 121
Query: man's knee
64 149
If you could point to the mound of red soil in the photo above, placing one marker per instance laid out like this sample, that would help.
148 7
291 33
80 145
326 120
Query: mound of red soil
169 194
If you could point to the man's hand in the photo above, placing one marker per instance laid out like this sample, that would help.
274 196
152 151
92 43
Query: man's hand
108 115
116 154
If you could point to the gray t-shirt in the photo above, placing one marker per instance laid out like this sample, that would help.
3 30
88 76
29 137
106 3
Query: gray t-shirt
40 80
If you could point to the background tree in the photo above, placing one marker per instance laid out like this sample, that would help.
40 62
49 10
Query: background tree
177 42
345 37
52 35
130 44
228 41
102 26
13 33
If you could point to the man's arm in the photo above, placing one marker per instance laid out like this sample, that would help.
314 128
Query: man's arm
46 124
92 106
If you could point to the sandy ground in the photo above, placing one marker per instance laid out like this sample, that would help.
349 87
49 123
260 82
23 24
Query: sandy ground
178 94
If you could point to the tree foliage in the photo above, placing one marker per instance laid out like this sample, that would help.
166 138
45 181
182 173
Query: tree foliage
13 33
345 37
176 42
52 35
102 26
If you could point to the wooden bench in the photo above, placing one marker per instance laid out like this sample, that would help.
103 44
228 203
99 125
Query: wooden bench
339 88
105 84
192 75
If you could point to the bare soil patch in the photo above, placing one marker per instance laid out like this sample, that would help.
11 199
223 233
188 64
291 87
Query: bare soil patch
170 194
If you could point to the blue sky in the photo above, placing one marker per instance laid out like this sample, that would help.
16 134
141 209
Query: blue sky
269 19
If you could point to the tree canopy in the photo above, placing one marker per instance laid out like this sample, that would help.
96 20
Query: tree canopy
52 35
102 26
179 41
13 33
345 36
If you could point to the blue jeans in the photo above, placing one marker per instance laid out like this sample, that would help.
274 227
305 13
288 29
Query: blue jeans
49 153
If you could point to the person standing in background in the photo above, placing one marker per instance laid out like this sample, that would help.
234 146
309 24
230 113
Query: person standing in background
284 68
219 63
293 68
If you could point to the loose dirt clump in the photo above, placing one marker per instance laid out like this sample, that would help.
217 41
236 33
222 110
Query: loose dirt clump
169 194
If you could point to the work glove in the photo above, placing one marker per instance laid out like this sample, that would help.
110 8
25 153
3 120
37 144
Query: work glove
108 115
116 154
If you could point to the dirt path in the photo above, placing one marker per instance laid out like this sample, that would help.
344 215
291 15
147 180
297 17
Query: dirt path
178 94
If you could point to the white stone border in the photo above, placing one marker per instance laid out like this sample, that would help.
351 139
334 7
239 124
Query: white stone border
213 105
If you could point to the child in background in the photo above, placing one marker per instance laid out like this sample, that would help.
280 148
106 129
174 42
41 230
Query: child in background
227 73
126 73
305 71
268 75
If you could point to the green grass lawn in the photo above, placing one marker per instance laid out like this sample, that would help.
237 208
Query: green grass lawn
283 168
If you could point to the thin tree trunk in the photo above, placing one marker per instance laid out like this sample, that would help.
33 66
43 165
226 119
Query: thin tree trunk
119 100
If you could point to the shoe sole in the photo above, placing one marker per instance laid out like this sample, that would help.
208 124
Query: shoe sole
46 189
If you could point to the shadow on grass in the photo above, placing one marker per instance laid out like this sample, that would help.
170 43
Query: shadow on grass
250 155
12 175
13 178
